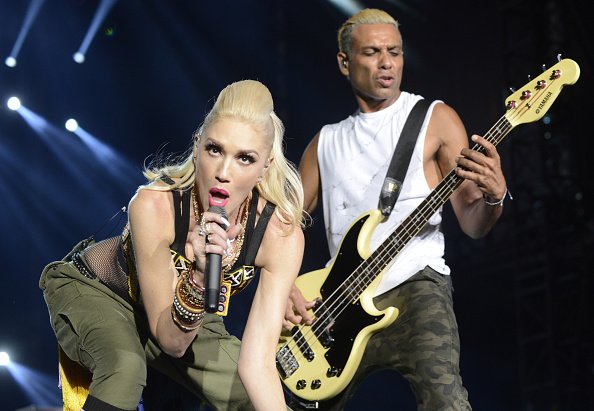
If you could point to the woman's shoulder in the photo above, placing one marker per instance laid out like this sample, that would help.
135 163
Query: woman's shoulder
282 243
152 197
276 228
151 215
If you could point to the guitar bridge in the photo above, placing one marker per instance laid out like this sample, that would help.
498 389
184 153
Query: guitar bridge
286 363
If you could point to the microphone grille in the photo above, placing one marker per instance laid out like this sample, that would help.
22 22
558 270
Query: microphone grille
218 210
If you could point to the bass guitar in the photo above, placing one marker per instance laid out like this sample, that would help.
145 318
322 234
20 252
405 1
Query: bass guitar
316 362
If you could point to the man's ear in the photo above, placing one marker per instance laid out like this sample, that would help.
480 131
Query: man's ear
343 63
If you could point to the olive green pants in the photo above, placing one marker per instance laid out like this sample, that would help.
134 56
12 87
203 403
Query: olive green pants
109 337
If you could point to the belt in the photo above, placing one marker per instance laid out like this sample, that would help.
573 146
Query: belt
80 265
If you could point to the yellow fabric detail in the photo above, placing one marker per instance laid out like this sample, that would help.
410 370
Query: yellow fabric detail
240 278
75 381
182 264
133 287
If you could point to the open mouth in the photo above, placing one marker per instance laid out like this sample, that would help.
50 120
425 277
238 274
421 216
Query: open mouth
386 81
217 197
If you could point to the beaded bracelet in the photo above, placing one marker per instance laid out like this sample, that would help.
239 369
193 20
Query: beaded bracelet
185 313
184 326
500 202
187 310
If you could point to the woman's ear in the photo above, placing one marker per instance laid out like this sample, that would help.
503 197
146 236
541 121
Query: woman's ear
267 164
266 167
195 146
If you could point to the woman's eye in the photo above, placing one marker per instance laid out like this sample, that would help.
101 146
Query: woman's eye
247 159
213 149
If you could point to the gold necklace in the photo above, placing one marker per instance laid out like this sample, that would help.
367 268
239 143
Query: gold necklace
197 213
231 257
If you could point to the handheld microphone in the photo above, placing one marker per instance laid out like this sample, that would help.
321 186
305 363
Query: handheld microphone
212 272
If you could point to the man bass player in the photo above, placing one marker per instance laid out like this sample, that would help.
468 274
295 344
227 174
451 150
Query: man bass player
346 164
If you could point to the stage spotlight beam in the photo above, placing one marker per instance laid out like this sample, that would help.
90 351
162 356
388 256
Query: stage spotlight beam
71 125
10 61
348 7
100 15
4 358
32 12
79 57
13 103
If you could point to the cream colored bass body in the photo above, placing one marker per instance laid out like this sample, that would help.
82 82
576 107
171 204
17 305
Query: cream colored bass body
317 362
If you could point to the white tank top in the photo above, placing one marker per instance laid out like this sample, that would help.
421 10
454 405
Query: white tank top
353 158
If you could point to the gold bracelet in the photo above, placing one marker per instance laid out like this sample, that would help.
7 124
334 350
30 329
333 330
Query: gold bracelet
191 297
193 283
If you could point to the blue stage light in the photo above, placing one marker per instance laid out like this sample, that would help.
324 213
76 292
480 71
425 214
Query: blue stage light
4 358
13 103
10 61
79 57
71 125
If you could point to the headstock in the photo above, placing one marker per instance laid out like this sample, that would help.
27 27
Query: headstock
532 101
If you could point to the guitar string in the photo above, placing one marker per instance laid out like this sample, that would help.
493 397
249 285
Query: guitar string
356 273
452 182
359 278
334 305
444 190
500 134
418 223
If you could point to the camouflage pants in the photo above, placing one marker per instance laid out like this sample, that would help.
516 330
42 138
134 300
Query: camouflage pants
422 345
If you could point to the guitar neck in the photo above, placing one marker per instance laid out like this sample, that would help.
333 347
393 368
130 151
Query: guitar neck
523 106
419 217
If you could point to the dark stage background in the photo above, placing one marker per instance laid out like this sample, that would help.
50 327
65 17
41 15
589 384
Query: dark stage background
522 294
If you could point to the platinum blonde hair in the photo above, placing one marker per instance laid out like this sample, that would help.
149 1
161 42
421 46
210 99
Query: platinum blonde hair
365 16
251 102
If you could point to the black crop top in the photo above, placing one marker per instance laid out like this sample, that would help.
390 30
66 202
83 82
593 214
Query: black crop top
243 270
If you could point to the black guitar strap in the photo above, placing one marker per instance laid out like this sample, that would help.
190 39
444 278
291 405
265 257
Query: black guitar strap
401 157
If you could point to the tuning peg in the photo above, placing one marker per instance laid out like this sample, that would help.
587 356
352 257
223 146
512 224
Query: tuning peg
529 77
512 89
559 57
544 67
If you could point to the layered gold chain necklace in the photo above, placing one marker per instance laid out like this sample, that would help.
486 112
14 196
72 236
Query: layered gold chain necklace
232 254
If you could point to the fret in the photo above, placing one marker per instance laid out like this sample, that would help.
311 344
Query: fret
296 358
415 222
419 217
